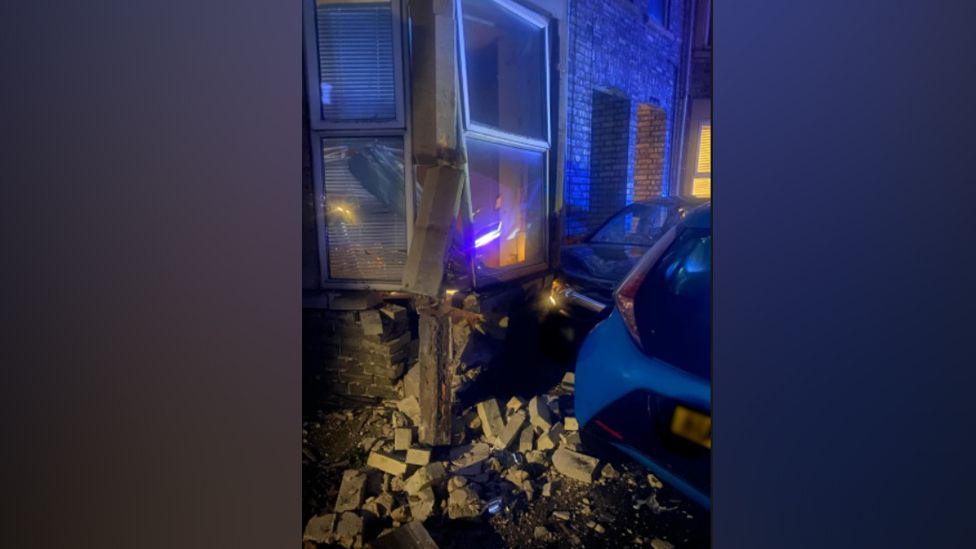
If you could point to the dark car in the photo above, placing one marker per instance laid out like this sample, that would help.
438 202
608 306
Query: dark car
591 270
643 377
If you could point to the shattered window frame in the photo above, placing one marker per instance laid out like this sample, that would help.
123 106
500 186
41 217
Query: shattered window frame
321 130
488 134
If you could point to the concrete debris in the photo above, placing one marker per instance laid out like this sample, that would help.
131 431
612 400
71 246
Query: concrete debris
418 456
575 465
367 443
539 414
320 528
411 382
432 473
351 491
526 440
349 531
570 423
402 438
510 431
399 419
422 504
609 472
410 406
456 482
540 533
400 514
536 457
654 482
599 528
560 515
463 502
569 381
550 440
469 460
658 543
386 463
547 489
570 440
491 418
514 404
553 404
409 536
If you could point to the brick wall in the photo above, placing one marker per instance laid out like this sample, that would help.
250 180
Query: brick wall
649 151
359 354
609 140
613 45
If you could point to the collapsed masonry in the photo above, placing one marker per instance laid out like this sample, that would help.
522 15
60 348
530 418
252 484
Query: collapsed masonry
500 453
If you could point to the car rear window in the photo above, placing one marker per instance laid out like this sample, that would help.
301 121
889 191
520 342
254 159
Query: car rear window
673 305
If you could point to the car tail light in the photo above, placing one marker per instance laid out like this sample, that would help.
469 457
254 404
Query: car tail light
627 291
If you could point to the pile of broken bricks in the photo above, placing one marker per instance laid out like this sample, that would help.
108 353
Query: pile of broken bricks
500 458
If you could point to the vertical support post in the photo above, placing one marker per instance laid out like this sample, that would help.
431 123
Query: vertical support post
435 373
440 172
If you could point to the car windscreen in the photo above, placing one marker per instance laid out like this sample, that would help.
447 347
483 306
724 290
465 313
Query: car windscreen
637 224
673 305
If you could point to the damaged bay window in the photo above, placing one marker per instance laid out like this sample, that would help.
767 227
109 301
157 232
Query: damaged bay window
355 87
505 90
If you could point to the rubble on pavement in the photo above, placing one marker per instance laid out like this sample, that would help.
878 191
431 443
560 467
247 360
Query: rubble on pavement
505 459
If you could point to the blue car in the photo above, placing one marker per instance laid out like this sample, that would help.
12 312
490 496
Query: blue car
643 375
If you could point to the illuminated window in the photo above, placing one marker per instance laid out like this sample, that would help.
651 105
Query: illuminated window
701 183
364 195
505 83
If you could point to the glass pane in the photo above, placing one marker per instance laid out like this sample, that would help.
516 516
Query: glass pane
365 209
505 68
701 187
356 70
507 195
704 165
639 224
674 301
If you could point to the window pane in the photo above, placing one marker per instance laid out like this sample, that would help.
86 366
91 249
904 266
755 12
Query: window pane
505 68
639 224
365 210
507 195
705 149
702 187
356 70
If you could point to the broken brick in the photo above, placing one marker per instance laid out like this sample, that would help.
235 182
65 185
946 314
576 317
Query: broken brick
575 465
510 431
387 464
418 456
402 438
425 476
539 414
320 528
350 491
491 418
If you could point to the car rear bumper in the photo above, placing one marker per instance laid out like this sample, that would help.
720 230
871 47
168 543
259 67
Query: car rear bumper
626 398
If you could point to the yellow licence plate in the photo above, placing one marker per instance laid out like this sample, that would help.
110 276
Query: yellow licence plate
692 425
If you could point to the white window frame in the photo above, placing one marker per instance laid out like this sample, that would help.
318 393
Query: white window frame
320 129
314 79
489 134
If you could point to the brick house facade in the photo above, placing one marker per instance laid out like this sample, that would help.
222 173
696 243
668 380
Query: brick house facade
616 49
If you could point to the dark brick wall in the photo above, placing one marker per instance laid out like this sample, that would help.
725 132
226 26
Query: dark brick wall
609 140
613 45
